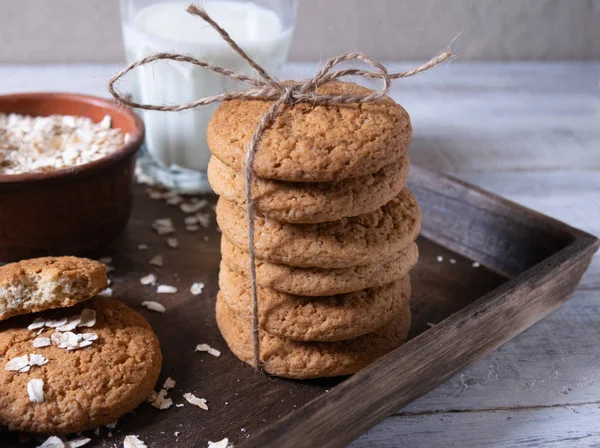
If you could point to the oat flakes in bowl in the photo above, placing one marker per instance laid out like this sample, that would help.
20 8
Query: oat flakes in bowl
74 203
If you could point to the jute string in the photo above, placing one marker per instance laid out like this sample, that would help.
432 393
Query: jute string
266 87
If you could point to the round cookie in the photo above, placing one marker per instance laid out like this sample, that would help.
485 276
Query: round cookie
305 360
308 143
86 387
372 238
38 284
328 318
301 202
320 282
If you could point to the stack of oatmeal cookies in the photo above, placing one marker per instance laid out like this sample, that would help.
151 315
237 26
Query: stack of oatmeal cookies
335 232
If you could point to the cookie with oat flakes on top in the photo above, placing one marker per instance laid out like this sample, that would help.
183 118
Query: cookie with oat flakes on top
85 387
38 284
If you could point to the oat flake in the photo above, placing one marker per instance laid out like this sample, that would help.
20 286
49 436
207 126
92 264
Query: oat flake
37 360
87 318
193 207
192 399
149 279
76 443
154 306
162 402
36 324
41 342
208 349
169 383
35 390
17 363
53 442
220 444
197 288
133 442
166 289
108 292
157 261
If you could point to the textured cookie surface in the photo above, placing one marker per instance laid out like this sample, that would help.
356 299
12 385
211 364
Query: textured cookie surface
304 360
327 318
320 282
82 388
308 143
371 238
301 202
44 283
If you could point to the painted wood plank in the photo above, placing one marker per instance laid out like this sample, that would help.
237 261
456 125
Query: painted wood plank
550 427
555 362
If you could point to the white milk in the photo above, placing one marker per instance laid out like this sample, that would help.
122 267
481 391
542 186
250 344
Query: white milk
178 139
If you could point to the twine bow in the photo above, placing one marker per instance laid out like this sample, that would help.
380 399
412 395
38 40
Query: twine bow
281 93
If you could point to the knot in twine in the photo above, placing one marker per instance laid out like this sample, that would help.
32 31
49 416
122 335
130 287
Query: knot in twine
281 93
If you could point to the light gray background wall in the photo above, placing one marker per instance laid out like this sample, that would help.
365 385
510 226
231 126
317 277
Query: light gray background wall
89 31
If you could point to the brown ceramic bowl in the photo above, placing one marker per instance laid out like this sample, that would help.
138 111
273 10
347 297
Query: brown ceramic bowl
72 210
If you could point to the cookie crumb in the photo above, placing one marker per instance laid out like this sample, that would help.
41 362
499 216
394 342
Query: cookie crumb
475 264
166 289
207 348
133 442
154 306
41 342
149 279
197 288
157 261
173 243
192 399
35 390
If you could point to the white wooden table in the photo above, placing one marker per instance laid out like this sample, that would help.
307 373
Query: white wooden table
529 132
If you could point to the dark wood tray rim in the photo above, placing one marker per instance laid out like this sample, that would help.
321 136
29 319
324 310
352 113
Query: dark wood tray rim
374 393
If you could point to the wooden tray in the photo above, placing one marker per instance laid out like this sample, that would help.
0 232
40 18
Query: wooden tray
530 265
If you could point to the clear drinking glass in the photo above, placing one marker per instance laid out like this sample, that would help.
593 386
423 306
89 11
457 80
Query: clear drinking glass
175 152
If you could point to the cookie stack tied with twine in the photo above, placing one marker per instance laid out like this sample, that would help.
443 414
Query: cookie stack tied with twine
318 227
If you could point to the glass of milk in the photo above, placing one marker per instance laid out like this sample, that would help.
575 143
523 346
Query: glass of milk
176 153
